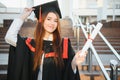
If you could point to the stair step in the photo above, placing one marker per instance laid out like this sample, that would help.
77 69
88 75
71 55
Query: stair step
3 72
4 50
3 43
102 43
111 40
3 60
93 73
107 51
99 48
4 46
2 39
3 66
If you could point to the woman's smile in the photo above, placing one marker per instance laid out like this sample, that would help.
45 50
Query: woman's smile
50 23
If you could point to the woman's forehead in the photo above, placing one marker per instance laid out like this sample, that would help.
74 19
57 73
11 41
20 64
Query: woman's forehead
52 15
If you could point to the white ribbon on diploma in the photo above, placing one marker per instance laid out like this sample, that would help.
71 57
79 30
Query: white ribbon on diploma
92 37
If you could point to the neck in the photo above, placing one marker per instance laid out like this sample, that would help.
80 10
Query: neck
48 36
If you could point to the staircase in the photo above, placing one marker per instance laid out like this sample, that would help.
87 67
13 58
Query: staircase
104 52
66 31
3 51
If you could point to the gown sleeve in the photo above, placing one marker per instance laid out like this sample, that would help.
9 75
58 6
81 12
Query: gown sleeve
69 73
20 61
11 35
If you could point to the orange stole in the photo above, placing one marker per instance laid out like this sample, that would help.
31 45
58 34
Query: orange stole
51 54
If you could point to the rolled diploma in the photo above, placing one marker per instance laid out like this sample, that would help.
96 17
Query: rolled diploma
92 37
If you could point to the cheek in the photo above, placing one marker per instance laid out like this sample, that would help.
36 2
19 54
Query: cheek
45 24
55 26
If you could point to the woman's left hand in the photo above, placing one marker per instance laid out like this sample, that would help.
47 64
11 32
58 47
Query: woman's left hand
78 59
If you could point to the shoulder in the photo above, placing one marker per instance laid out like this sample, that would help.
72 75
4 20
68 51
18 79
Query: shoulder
66 39
30 43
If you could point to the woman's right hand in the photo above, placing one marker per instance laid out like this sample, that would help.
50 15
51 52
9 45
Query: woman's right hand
26 13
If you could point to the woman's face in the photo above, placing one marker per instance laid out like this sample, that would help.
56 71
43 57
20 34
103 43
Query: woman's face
50 23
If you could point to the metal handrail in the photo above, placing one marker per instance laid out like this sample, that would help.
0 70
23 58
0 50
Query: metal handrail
108 44
94 51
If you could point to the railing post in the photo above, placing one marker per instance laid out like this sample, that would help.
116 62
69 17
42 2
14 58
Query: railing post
75 30
78 37
89 60
89 56
114 70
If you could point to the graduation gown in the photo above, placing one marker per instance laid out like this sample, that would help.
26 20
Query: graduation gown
20 64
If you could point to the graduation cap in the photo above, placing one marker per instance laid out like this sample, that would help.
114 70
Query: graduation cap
46 7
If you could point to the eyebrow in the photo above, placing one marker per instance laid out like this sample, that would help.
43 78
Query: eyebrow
51 17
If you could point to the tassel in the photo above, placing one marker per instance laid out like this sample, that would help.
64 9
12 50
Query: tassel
40 15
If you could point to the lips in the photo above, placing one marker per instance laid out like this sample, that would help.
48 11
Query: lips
51 27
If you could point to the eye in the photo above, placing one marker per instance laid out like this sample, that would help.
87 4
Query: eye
55 20
48 18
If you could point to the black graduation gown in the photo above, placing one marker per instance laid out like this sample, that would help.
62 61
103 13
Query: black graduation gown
20 64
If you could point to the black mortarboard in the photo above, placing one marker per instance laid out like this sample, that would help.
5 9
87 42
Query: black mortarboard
50 6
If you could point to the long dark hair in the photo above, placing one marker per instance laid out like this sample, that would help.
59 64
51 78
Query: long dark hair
57 42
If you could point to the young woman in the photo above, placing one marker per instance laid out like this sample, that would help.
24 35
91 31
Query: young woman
47 56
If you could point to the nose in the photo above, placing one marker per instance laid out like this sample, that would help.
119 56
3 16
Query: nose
52 22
